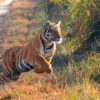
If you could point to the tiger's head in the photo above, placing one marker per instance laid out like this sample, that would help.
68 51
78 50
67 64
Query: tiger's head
52 32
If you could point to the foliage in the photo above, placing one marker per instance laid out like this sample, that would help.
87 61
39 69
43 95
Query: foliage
78 13
69 81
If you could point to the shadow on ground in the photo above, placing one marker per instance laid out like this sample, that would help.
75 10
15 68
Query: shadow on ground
84 51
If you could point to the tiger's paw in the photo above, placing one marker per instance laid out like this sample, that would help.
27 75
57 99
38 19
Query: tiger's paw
50 69
42 70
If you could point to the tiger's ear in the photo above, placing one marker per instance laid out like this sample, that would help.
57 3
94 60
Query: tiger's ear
59 23
47 23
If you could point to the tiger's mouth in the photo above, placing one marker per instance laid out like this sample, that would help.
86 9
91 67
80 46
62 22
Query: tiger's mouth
57 40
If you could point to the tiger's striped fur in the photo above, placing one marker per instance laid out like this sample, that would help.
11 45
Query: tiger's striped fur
37 55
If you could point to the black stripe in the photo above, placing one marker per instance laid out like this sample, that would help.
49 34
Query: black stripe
50 47
28 64
3 78
42 43
25 68
6 79
16 71
8 74
19 69
7 70
44 34
46 38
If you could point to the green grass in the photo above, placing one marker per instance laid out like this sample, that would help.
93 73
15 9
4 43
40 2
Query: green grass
70 80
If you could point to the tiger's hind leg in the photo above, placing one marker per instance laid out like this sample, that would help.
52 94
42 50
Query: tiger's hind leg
1 68
4 79
15 77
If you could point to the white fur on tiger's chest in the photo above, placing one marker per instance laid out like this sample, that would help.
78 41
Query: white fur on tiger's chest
45 52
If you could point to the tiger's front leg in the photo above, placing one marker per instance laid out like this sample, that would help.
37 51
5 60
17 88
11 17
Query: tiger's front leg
42 70
42 64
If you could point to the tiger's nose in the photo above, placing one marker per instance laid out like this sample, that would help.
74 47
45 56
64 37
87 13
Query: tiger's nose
59 40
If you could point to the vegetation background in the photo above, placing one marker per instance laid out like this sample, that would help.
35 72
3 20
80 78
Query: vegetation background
76 64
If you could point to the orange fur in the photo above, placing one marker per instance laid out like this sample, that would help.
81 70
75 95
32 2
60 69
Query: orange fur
38 53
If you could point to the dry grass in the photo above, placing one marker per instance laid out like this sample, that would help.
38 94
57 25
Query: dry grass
31 86
70 82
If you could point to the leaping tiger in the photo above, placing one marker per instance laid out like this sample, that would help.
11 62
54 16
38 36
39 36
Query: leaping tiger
37 55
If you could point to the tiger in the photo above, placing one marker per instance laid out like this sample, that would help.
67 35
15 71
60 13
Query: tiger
36 55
